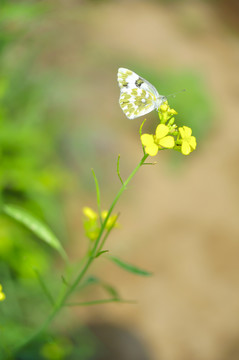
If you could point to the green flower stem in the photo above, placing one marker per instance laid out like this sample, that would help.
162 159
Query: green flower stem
107 234
92 255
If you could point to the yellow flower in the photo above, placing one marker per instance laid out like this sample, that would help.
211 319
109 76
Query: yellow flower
160 140
2 295
188 141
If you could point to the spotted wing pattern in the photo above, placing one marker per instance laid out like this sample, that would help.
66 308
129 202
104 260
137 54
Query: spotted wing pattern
137 96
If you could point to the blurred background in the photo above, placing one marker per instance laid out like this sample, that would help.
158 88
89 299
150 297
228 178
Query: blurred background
60 117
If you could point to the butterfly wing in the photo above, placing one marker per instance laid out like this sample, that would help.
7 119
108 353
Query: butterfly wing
137 96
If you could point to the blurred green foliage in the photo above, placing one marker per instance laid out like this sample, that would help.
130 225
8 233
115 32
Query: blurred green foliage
32 173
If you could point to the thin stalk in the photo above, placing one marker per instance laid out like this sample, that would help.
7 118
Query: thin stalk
107 234
118 170
97 195
121 190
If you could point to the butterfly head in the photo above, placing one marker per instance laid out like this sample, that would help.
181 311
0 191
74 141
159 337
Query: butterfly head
160 100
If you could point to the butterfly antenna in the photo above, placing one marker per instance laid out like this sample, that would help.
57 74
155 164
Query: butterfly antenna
174 94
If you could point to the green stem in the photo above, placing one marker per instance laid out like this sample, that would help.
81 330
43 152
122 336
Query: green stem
118 195
94 251
107 234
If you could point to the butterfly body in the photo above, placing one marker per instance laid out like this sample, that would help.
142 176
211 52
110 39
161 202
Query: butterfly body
137 96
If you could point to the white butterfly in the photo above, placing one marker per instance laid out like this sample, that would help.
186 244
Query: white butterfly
137 96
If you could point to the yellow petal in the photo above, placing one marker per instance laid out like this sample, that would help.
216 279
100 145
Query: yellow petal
152 150
167 142
192 142
147 139
185 149
161 131
2 296
182 132
187 131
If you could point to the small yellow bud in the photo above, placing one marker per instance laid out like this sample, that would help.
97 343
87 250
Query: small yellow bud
172 111
171 121
88 212
111 222
2 295
104 214
164 107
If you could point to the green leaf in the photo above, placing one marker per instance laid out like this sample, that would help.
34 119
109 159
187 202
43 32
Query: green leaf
111 290
64 281
101 252
97 195
102 301
92 280
128 267
35 226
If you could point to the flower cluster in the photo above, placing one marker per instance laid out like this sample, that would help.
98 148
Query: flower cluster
2 295
168 135
92 222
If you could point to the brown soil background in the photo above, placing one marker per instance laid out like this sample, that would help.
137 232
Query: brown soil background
182 225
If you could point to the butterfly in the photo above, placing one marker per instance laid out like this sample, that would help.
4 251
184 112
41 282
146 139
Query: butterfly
137 96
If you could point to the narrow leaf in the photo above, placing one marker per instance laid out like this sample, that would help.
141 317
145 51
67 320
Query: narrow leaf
118 170
103 301
97 195
111 290
92 280
128 267
101 252
35 226
64 281
89 281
